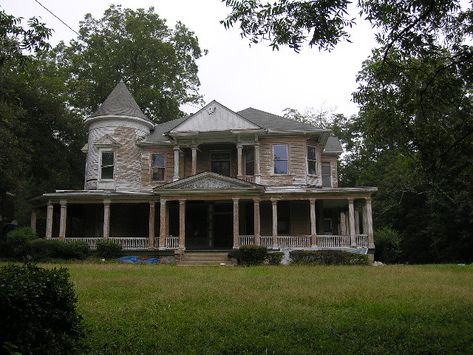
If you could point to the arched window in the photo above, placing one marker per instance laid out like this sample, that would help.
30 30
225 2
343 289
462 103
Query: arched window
158 167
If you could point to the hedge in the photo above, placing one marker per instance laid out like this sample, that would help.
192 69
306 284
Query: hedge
274 258
250 255
327 257
39 314
108 249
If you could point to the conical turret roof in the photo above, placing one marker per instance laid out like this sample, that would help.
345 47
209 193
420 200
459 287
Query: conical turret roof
120 102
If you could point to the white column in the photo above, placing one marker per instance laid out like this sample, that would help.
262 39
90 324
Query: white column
162 224
313 223
194 160
176 163
49 220
369 218
151 224
33 220
182 224
257 164
357 221
274 203
236 223
256 221
343 224
106 219
239 161
63 220
351 212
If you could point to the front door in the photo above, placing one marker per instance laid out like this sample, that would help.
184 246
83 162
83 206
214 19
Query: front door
223 225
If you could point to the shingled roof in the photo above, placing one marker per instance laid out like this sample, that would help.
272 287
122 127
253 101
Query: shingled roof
120 102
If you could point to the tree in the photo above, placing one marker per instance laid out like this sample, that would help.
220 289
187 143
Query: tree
157 63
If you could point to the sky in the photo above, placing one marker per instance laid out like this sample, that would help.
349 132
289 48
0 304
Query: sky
233 73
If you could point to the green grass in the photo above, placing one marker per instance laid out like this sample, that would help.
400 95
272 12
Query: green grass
303 309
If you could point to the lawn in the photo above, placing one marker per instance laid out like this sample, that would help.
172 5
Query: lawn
169 309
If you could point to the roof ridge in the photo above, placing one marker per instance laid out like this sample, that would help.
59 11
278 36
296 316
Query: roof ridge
279 116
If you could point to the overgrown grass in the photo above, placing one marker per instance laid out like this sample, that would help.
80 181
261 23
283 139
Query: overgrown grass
299 309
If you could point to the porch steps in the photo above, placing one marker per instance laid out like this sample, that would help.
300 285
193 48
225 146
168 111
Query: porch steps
204 258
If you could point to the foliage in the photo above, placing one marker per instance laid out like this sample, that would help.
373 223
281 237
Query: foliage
299 309
327 257
157 63
73 250
38 308
274 258
108 249
15 244
21 235
388 245
252 255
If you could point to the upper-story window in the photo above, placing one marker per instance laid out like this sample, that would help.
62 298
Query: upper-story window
281 154
220 162
311 160
107 160
158 167
326 174
249 161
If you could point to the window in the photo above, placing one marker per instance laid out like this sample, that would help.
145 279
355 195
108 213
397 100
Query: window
249 161
311 160
220 163
158 167
280 159
328 229
326 174
106 165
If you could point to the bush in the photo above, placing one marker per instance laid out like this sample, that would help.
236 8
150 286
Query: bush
73 250
38 308
15 244
40 249
274 258
108 249
327 257
388 245
252 255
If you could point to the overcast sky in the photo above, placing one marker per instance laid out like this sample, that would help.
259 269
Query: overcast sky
233 73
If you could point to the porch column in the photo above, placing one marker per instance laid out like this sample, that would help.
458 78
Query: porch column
63 220
236 223
49 220
162 224
343 224
369 218
33 220
106 219
239 160
194 160
257 164
176 163
151 223
256 221
357 221
274 203
351 212
313 223
182 224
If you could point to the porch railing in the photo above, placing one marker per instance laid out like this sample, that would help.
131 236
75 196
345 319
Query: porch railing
131 243
172 242
248 178
362 240
91 241
247 240
298 241
333 241
266 241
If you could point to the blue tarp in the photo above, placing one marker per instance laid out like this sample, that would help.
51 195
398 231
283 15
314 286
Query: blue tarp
137 260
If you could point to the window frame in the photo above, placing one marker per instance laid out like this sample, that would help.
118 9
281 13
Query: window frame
221 151
274 159
163 167
312 160
246 161
101 151
322 173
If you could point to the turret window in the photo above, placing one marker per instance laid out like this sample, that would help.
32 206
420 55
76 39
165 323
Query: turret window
158 166
107 160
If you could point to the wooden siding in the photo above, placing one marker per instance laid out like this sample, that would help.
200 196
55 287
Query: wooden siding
146 175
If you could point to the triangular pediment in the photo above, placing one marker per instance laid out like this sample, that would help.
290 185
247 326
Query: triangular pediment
208 181
214 117
106 141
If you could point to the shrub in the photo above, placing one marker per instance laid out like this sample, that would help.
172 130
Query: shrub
73 250
16 241
108 249
252 255
274 258
388 245
40 249
38 308
327 257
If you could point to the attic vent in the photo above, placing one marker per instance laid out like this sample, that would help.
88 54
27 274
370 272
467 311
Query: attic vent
211 109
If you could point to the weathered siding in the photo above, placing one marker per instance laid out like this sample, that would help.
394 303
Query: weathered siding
333 168
146 174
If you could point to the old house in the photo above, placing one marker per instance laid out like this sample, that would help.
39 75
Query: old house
217 179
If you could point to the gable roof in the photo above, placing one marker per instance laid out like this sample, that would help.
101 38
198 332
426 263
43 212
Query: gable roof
157 135
214 117
208 181
120 102
274 122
